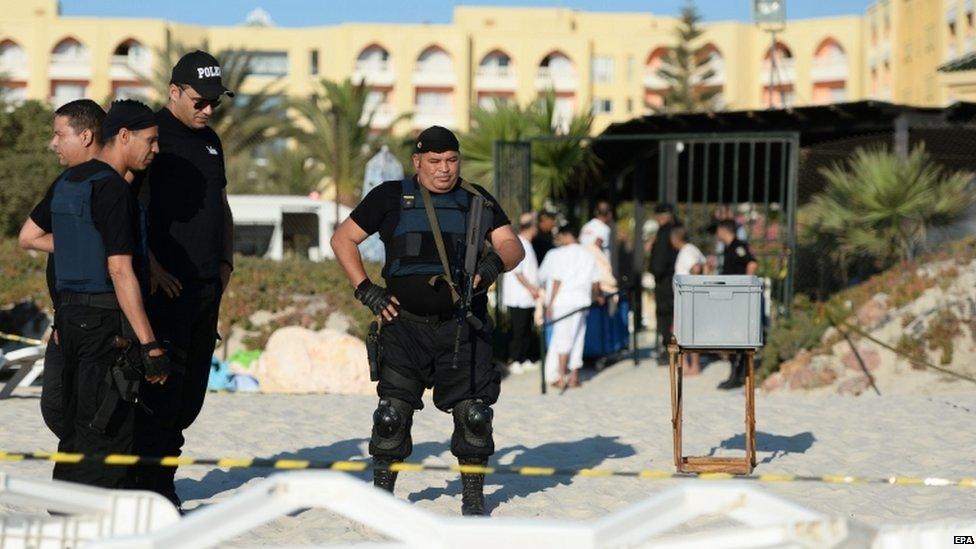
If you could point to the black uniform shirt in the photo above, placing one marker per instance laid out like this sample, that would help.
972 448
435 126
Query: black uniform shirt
736 258
380 212
115 213
663 254
541 244
184 192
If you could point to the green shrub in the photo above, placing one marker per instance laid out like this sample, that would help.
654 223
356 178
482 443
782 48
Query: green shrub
802 330
22 275
277 286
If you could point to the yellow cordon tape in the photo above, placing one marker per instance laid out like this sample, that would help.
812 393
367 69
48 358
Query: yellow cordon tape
404 467
20 339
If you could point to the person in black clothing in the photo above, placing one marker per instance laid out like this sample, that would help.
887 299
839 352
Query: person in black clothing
543 240
737 260
101 273
663 256
421 220
76 139
191 245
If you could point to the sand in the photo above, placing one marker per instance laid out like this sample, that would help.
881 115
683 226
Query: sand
619 419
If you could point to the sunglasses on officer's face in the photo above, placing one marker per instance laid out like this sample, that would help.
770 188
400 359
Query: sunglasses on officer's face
201 103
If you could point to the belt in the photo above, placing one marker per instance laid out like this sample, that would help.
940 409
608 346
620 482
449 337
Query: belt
428 319
98 301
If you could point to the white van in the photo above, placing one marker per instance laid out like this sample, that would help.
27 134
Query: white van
276 227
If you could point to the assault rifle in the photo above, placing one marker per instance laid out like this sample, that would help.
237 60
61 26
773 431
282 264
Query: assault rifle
472 247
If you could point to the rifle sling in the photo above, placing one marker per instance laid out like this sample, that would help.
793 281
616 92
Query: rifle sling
435 227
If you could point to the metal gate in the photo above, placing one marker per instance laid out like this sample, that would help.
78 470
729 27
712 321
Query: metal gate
750 177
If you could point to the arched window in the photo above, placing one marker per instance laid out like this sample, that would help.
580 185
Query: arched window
70 49
435 59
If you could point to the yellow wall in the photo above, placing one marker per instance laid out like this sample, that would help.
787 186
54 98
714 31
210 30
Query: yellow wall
917 38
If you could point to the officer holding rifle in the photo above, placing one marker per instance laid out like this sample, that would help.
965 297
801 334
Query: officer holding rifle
447 241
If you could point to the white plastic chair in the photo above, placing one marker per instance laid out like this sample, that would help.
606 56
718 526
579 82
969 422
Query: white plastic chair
28 363
87 513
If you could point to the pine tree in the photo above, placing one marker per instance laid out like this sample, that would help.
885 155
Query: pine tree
685 68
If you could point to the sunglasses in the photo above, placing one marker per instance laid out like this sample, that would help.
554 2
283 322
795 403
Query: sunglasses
200 104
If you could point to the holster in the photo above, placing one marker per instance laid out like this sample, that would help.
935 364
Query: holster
124 380
373 350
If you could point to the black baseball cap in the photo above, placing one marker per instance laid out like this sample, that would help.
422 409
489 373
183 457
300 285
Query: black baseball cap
201 71
436 139
129 114
664 207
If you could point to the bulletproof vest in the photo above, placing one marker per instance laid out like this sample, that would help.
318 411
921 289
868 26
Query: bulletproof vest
412 250
79 254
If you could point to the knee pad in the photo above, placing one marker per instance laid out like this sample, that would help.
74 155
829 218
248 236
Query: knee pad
391 429
472 429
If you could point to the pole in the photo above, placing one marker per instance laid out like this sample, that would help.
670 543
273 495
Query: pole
336 161
772 68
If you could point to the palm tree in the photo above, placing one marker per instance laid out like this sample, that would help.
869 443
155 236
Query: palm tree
561 156
289 171
685 68
334 127
558 152
501 121
883 205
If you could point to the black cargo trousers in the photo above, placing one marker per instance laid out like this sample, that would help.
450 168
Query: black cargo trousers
187 323
87 337
417 352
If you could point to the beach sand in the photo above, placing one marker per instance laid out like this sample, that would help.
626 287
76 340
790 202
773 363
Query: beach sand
620 419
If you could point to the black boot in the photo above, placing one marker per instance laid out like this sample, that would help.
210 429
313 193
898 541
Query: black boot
473 490
383 478
737 374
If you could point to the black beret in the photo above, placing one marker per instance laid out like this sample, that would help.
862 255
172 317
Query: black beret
129 114
436 139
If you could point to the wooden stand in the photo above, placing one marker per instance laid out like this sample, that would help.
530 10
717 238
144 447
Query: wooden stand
706 464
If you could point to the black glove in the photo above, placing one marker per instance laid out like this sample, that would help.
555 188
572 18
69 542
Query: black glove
155 365
374 297
489 268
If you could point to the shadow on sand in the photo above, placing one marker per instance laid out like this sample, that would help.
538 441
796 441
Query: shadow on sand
778 445
586 453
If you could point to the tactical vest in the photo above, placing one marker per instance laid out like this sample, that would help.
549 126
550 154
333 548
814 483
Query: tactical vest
412 250
79 253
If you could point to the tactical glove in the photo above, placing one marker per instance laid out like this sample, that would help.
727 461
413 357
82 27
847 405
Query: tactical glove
374 297
489 268
155 365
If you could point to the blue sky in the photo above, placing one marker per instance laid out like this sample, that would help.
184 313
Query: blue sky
294 13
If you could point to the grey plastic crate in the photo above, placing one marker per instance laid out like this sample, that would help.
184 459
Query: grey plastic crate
721 311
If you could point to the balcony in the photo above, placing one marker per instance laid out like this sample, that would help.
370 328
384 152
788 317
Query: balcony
560 81
654 82
496 77
129 67
829 70
785 72
383 116
15 70
434 76
69 67
374 73
426 116
718 74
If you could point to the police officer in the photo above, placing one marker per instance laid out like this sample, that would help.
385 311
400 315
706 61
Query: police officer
191 240
663 256
100 276
418 309
76 138
737 260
